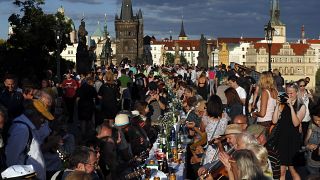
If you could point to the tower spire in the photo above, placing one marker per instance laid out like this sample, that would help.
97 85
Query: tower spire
275 13
182 35
126 10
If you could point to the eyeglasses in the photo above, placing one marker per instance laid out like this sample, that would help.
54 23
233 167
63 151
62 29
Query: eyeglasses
302 85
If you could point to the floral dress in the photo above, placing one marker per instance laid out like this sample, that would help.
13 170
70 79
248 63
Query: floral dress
216 127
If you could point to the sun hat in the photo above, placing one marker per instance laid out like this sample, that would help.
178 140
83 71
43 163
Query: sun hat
42 109
16 171
233 129
121 120
256 129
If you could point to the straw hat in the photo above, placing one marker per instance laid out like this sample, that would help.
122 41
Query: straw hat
18 171
233 129
42 109
121 120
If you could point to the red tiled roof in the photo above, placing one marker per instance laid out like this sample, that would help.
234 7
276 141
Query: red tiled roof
238 40
298 49
313 41
185 44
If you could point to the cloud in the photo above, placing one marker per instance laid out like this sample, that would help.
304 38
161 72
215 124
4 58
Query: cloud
85 1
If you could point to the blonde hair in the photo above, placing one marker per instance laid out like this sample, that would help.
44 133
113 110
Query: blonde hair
266 81
261 154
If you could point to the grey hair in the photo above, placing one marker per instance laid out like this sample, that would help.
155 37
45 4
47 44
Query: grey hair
247 139
248 164
261 154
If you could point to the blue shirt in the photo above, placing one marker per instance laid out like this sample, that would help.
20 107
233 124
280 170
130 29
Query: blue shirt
17 142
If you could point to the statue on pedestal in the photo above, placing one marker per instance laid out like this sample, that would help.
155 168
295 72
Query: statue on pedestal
176 54
203 54
84 63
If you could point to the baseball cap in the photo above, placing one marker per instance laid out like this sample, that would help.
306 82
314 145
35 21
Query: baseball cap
256 129
18 171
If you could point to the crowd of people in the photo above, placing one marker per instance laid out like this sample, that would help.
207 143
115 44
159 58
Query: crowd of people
101 125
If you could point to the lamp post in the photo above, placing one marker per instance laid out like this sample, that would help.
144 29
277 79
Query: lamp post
269 30
58 41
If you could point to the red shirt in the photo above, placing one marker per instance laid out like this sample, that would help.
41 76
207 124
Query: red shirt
70 86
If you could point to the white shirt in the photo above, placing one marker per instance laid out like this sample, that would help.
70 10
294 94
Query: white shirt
243 95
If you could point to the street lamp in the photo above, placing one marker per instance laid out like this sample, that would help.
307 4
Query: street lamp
58 41
269 30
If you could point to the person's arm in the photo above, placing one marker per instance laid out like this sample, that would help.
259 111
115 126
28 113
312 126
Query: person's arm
296 117
263 105
276 113
161 104
255 96
309 146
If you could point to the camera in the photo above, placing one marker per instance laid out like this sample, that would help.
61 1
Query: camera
283 98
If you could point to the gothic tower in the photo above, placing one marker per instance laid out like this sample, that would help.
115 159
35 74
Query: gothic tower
280 28
182 35
129 34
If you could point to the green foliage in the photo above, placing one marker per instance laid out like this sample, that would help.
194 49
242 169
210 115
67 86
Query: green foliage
34 39
170 58
183 60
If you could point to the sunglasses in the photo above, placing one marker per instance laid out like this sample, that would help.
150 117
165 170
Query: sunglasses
302 85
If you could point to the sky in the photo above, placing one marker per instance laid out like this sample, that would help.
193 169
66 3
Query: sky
213 18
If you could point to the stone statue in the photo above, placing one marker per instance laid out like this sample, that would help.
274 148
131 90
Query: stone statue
203 54
176 53
83 62
82 33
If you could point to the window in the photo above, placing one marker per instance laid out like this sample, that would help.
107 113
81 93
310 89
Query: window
155 56
71 51
243 49
129 33
155 48
243 56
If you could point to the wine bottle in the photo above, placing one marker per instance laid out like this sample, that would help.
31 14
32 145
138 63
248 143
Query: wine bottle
173 137
165 165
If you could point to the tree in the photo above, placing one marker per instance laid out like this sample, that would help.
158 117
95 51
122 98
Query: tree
170 58
34 39
183 60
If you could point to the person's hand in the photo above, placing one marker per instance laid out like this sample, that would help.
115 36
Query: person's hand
254 114
290 102
312 147
191 125
202 170
224 158
156 97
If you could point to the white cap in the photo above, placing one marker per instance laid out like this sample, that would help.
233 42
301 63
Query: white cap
121 120
135 113
17 171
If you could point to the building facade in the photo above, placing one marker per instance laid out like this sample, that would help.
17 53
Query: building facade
293 60
129 34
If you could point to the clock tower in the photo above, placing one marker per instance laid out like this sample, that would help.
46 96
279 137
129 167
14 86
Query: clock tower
280 28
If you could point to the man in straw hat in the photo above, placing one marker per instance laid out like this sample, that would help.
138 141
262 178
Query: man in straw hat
23 146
